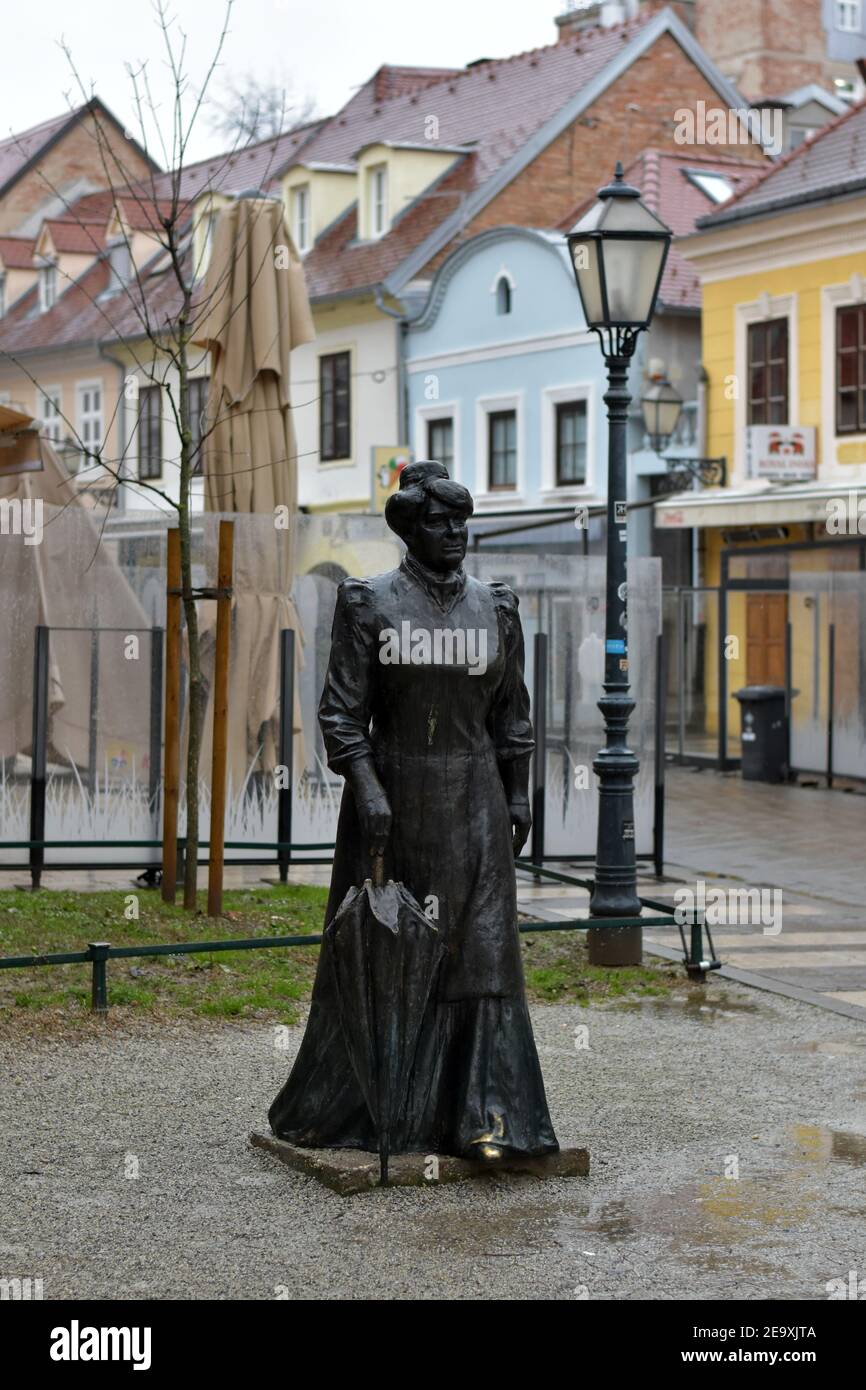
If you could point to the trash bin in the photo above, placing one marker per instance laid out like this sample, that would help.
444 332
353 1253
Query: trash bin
764 733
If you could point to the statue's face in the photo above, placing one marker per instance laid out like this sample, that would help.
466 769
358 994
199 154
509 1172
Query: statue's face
440 539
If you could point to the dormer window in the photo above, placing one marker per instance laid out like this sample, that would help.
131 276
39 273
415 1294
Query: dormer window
47 286
848 16
301 227
120 264
207 242
378 199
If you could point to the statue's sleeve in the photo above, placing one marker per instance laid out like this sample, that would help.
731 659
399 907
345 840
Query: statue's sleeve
344 709
509 723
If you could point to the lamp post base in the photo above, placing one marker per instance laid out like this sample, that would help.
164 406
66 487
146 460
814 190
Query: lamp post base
615 945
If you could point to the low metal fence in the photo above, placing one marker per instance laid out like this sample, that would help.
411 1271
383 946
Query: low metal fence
99 953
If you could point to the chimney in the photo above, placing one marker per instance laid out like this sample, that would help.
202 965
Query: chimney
604 14
593 14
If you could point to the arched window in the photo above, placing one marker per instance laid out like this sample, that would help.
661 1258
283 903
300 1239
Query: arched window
503 296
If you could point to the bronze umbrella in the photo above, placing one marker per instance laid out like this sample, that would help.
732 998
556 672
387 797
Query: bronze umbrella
253 311
385 955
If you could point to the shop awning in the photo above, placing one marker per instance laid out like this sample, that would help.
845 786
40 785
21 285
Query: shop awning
756 503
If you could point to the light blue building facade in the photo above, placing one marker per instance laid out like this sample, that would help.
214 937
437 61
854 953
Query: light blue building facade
506 385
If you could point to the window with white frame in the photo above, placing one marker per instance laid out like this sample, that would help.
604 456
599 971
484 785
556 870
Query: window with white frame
301 217
378 199
502 450
848 16
335 412
768 372
150 432
571 443
47 286
50 413
198 392
440 440
851 369
90 423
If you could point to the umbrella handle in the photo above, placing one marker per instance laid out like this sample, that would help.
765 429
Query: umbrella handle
378 871
384 1154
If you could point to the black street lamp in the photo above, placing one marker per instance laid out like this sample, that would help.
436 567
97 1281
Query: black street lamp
618 250
661 405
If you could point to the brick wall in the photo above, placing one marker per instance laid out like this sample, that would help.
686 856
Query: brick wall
637 111
75 157
766 47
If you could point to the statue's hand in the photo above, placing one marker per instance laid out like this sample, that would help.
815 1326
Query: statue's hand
374 813
371 803
521 820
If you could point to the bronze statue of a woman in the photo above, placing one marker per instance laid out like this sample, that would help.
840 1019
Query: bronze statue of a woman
425 714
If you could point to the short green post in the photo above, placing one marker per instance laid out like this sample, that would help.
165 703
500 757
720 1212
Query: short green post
694 966
98 952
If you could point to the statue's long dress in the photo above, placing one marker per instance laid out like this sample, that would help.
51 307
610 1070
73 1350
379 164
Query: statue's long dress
438 734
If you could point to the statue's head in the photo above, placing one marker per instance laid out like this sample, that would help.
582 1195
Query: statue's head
429 513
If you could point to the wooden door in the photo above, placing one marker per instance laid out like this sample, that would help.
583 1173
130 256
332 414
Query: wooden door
766 620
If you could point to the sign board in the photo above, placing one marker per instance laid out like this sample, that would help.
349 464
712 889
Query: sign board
670 516
389 460
780 453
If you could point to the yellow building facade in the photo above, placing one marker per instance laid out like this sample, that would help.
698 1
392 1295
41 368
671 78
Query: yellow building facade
784 348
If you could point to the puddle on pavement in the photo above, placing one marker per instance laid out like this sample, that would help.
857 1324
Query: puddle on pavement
716 1211
696 1004
711 1222
833 1047
815 1144
526 1229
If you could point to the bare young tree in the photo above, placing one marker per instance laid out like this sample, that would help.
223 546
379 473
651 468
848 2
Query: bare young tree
155 311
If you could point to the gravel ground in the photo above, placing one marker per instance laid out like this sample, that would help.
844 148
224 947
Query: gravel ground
665 1093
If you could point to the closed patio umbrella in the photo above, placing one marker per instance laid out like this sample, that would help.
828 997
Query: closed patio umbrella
254 310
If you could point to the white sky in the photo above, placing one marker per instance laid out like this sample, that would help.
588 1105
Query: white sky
323 48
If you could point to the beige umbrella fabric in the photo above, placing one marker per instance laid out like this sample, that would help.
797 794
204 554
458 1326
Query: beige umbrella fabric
255 310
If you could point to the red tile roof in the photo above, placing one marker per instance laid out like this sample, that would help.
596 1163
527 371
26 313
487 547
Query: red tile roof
492 110
395 81
496 105
76 236
833 162
142 214
338 263
16 252
255 166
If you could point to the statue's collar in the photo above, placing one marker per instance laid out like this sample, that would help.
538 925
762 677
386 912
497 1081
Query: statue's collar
444 589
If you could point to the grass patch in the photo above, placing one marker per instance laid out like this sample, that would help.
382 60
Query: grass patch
217 984
558 972
226 985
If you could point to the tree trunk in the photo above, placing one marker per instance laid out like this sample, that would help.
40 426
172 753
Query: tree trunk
190 877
